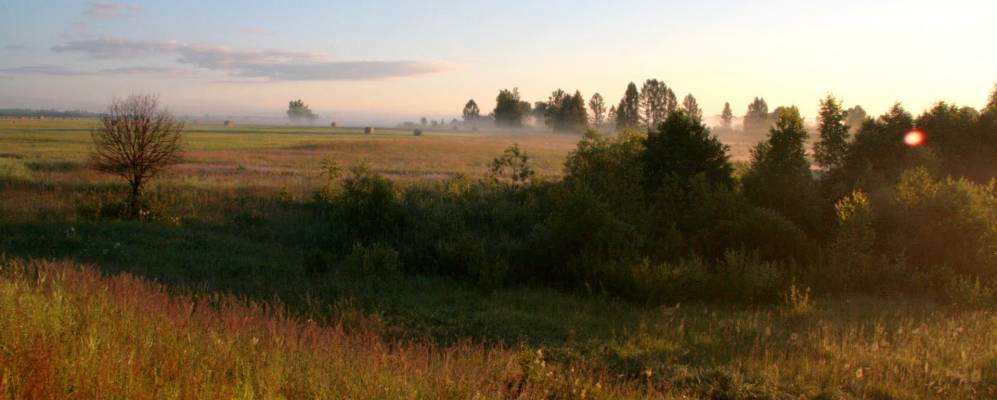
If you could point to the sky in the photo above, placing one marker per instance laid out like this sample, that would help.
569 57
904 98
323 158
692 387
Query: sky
388 61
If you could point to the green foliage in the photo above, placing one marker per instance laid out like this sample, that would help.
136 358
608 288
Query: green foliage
512 167
780 177
941 223
830 150
879 152
376 264
682 149
369 205
958 137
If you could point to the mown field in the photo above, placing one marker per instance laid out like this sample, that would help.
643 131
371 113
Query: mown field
215 299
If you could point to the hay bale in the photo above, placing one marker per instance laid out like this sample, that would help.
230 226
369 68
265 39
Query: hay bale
229 124
417 132
368 130
332 124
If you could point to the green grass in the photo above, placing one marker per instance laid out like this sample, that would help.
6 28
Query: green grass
225 230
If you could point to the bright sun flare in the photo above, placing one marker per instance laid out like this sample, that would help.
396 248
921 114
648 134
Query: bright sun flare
914 138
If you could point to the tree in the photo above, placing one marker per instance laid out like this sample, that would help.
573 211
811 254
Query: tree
298 111
136 140
757 116
691 108
540 110
508 109
471 112
830 150
856 116
598 107
423 121
628 112
878 151
727 116
566 112
682 149
779 178
962 148
611 116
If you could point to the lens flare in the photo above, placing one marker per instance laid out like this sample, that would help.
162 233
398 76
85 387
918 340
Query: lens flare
914 138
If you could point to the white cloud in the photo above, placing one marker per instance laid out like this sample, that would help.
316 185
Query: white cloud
274 65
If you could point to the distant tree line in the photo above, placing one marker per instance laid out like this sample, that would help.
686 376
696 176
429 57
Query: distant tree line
51 113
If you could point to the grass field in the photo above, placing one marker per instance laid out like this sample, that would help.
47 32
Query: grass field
214 301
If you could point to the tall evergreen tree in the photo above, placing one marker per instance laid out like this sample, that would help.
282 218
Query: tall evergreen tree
830 150
611 116
628 112
598 107
727 116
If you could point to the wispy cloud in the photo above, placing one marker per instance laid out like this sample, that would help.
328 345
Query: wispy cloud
108 9
56 70
15 47
275 65
255 31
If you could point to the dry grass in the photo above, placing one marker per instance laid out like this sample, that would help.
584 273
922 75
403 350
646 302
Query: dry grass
71 333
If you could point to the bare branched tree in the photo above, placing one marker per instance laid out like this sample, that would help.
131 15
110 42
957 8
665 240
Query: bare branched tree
136 140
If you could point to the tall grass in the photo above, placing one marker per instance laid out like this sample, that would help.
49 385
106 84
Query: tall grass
71 333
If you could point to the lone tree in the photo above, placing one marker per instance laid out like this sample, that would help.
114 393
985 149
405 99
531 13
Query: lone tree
136 140
298 111
471 112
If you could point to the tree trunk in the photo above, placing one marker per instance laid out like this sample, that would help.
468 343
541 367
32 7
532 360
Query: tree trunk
135 198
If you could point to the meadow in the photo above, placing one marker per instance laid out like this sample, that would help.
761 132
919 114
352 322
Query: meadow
215 298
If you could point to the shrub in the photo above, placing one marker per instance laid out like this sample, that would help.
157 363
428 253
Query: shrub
370 205
936 223
375 264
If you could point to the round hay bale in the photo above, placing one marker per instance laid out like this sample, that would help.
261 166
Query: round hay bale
332 124
368 130
229 124
417 132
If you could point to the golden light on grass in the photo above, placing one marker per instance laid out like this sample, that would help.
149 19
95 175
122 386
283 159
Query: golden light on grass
914 138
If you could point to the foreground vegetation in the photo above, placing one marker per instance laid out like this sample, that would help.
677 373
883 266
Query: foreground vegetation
71 333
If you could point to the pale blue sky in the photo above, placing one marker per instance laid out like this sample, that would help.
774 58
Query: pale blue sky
390 60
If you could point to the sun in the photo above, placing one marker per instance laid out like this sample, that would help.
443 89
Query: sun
914 138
